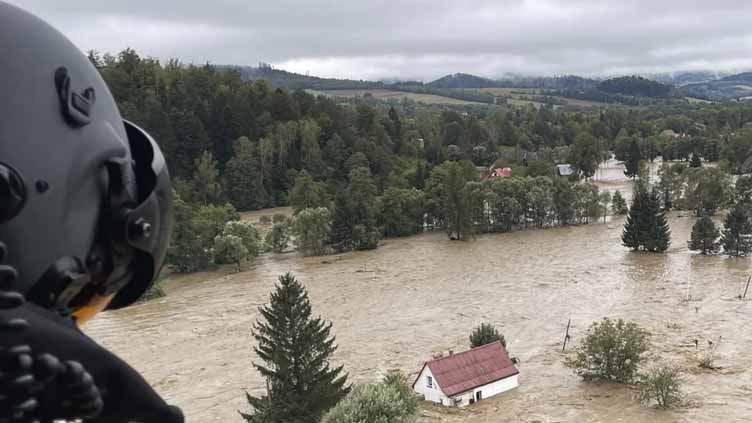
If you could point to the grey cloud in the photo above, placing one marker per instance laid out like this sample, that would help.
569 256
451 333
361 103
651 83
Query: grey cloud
420 38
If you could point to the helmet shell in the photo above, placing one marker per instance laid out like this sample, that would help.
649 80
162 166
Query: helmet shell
59 127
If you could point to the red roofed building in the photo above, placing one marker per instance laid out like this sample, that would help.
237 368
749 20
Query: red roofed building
502 172
464 378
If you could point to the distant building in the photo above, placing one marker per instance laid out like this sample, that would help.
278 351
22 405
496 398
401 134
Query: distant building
564 170
467 377
669 133
502 172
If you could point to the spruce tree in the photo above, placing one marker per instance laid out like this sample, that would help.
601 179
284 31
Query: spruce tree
704 236
295 349
632 162
737 232
646 227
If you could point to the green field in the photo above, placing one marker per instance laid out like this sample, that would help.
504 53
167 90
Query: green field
382 94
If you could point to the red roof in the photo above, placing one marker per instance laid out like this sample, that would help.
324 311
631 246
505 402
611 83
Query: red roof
470 369
502 172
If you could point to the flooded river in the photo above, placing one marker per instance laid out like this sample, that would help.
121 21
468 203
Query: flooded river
393 308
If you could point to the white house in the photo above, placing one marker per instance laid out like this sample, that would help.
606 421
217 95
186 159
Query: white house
464 378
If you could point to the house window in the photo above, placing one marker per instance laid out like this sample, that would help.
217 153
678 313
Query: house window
429 381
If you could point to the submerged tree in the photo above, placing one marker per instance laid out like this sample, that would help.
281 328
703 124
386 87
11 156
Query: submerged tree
311 228
646 227
486 334
632 160
278 238
619 204
611 350
663 386
295 349
737 231
704 236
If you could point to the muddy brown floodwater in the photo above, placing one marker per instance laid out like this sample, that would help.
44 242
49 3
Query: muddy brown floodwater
394 307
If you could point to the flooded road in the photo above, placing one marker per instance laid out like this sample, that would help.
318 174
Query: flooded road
394 307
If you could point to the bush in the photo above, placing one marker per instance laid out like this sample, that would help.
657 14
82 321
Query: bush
486 334
265 219
155 291
238 242
278 238
365 238
247 233
611 351
390 401
662 386
311 228
229 249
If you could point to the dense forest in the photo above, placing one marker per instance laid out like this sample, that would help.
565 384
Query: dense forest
635 86
364 168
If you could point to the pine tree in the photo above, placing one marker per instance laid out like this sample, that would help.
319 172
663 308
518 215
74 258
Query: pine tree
295 349
646 227
737 232
632 162
704 236
695 161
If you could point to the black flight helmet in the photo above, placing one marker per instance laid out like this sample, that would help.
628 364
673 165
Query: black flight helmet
85 197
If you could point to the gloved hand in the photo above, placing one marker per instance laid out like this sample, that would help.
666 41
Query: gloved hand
16 372
49 370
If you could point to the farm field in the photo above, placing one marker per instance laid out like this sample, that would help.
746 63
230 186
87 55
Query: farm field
392 94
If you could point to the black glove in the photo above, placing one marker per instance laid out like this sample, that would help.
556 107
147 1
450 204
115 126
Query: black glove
16 372
49 370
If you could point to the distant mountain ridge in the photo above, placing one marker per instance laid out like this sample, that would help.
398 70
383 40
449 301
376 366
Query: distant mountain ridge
730 87
702 84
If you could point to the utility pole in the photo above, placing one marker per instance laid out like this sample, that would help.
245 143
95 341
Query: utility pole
566 335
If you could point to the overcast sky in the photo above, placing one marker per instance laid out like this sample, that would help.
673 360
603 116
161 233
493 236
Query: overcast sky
421 39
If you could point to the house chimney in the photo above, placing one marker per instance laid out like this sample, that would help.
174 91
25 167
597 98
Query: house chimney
451 352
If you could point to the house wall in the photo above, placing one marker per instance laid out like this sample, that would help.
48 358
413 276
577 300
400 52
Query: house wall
487 391
431 394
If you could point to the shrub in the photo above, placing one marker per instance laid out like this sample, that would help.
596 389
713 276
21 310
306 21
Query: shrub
229 249
486 334
265 219
278 238
155 291
662 386
365 238
610 351
247 233
390 401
